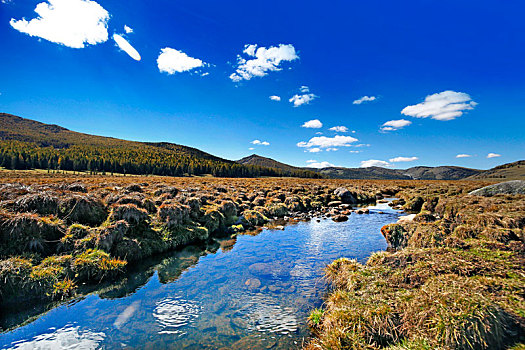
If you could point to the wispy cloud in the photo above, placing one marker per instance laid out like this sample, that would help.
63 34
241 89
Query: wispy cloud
328 142
275 98
261 143
173 61
493 155
403 159
125 46
463 155
446 105
261 60
72 23
374 162
339 128
393 125
312 124
364 99
128 30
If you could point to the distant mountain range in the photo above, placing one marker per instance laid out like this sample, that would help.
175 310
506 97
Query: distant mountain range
29 144
514 170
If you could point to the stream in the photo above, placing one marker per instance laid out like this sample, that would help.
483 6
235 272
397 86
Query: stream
249 292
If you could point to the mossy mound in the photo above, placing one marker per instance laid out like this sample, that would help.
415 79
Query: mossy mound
83 210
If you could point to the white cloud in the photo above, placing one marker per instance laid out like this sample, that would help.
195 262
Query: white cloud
275 98
259 142
364 99
446 105
305 98
332 149
328 142
314 150
304 89
374 162
339 128
355 151
128 30
173 61
319 165
493 155
311 161
393 125
73 23
463 156
262 60
312 124
125 46
403 159
251 148
363 145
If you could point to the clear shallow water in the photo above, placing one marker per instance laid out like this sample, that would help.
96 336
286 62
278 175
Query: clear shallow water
253 292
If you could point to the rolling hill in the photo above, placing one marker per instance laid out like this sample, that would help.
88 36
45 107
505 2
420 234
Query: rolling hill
26 144
510 171
440 172
255 159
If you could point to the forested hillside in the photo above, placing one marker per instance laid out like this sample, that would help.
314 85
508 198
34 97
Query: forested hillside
28 144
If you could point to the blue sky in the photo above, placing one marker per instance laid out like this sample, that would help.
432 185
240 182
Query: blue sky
447 77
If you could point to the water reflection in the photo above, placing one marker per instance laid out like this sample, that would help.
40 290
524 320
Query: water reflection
248 292
67 337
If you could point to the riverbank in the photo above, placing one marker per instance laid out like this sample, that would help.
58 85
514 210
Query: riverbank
454 278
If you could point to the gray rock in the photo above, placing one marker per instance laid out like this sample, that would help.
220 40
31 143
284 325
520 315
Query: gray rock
509 187
346 196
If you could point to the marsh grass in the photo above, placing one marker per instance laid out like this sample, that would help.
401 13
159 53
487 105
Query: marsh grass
454 279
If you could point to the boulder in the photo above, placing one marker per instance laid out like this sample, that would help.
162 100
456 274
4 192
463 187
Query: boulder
346 196
508 187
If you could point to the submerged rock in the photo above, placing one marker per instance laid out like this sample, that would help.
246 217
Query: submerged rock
508 187
252 283
268 269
